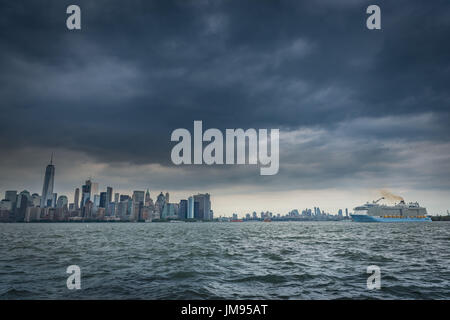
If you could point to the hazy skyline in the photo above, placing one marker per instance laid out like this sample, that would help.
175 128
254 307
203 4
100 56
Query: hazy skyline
358 110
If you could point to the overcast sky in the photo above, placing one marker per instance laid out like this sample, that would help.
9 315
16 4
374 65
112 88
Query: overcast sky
358 110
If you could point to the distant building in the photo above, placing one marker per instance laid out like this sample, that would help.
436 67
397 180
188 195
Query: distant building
54 197
183 209
190 208
6 204
148 200
138 204
76 198
86 193
22 205
196 210
103 200
96 200
124 197
62 202
11 195
47 188
169 211
109 194
204 206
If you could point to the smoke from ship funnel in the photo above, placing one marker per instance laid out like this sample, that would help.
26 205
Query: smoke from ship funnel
390 196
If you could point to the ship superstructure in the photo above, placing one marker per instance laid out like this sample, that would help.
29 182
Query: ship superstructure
400 212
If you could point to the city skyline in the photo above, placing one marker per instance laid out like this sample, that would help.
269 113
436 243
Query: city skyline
102 197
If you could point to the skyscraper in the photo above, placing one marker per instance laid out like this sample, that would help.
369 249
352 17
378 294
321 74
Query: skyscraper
116 204
86 192
147 198
182 211
103 197
54 198
89 191
190 208
109 194
138 204
11 195
76 199
204 206
94 190
47 188
62 202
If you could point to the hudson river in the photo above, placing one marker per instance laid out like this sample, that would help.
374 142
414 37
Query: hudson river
255 260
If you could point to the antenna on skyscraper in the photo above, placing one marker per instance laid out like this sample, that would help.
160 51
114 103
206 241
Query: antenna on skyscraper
51 159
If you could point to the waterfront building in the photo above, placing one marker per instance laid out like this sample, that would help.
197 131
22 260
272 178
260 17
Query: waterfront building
54 197
33 214
160 201
24 194
36 200
183 208
138 204
47 188
204 206
22 205
62 202
96 200
169 211
103 199
86 193
109 194
6 204
11 195
76 199
124 197
196 210
111 209
190 208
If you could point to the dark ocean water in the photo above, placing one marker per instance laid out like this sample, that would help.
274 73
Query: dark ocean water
278 260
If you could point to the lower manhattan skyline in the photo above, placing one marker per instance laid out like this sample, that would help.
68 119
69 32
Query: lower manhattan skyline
227 201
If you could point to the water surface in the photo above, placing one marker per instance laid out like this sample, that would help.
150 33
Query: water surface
254 260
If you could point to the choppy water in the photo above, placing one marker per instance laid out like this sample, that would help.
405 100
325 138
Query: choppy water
297 260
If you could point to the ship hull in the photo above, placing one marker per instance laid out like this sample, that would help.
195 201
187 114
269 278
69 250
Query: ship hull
366 218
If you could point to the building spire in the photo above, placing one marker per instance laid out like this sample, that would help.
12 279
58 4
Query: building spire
51 159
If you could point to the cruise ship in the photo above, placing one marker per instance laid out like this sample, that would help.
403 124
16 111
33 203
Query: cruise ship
401 212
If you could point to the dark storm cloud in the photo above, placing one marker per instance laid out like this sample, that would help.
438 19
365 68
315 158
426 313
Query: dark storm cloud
138 70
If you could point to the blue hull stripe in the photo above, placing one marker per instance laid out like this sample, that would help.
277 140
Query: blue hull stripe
364 218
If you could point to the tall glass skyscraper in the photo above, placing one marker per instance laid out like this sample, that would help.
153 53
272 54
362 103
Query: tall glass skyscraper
190 208
76 199
47 189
